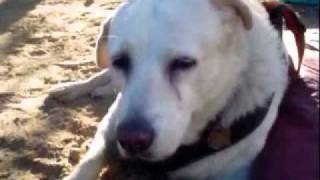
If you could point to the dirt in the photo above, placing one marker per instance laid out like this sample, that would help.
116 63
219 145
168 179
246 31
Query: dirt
42 43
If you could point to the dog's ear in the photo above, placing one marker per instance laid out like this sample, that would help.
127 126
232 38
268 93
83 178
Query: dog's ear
102 56
240 8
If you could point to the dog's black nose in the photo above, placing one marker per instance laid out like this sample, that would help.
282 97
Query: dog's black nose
135 136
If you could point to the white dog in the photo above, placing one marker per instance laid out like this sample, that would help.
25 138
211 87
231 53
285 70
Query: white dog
179 65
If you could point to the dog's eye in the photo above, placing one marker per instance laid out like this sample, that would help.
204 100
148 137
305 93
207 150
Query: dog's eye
182 63
122 62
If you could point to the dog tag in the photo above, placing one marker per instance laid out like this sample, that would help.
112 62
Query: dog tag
219 138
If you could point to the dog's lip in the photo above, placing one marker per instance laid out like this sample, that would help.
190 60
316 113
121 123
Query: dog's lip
149 157
145 156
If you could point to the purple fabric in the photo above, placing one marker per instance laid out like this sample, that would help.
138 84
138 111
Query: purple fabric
292 148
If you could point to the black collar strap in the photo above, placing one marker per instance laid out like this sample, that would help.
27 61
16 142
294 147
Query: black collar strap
187 155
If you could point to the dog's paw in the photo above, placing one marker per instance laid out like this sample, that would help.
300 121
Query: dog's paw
66 92
85 171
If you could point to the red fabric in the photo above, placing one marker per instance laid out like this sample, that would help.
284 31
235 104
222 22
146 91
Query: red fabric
292 22
292 148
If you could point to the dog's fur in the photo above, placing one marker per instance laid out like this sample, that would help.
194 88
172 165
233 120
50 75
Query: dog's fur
239 64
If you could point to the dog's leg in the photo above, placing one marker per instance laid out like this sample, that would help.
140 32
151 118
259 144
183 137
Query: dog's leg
103 91
71 90
242 173
100 152
92 163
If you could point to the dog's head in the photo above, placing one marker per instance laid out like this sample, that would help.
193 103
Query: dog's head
171 59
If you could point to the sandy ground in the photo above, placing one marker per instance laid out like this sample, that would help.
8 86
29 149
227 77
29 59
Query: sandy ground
42 43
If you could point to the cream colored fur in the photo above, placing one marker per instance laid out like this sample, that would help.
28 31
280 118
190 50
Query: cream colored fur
238 68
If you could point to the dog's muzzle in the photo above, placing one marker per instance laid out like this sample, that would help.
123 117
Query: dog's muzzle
188 154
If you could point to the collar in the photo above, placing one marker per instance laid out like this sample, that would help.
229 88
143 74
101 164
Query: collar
186 155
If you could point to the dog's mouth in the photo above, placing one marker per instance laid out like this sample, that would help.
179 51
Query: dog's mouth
146 156
147 162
